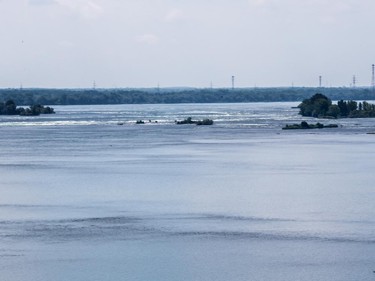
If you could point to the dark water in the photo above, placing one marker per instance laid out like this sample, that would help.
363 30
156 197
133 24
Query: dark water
82 198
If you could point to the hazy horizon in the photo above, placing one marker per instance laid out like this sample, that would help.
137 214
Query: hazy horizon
183 88
165 43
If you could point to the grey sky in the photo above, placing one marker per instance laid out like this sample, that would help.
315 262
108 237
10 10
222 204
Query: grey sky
140 43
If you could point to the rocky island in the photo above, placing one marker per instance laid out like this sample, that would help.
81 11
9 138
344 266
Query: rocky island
304 125
197 122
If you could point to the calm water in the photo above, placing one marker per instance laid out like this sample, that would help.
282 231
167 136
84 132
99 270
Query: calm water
82 198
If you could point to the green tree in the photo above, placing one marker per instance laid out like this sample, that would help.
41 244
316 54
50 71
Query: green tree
10 108
316 106
334 111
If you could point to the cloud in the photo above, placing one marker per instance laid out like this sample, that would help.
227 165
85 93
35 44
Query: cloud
174 15
41 2
272 3
87 9
149 39
258 3
66 44
327 12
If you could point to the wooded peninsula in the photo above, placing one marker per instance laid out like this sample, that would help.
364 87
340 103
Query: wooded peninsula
321 106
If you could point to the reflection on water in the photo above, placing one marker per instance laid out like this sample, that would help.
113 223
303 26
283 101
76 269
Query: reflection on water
190 225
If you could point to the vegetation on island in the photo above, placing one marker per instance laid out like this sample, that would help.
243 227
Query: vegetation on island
321 106
197 122
10 108
304 125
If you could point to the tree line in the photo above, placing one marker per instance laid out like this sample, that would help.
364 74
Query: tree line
176 95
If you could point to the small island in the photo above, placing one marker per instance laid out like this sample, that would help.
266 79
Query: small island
305 126
321 106
197 122
10 108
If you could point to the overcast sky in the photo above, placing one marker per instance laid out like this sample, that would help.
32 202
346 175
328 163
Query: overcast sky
143 43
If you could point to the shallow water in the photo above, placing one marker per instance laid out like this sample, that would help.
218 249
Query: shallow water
83 198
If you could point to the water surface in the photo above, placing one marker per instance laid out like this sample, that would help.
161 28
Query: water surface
83 198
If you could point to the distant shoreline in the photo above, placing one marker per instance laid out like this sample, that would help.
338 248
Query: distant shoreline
80 96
